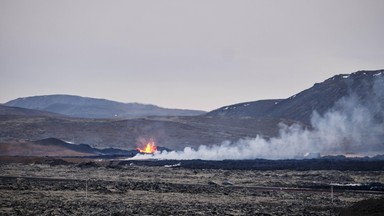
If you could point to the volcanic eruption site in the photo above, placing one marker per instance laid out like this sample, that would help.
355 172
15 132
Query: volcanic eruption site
354 125
149 148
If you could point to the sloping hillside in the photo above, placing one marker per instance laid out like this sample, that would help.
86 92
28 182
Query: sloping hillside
56 147
320 98
251 109
17 111
84 107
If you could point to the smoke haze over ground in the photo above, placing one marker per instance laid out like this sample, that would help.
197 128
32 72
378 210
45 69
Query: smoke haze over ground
353 126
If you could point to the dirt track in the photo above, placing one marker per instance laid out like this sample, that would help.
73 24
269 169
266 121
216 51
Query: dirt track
42 189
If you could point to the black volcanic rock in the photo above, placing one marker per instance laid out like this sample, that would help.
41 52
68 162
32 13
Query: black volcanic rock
57 142
84 148
320 98
84 107
372 207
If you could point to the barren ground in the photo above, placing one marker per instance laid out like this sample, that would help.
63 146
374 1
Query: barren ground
98 189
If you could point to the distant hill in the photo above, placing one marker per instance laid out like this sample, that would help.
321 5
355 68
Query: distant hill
84 107
17 111
56 147
320 97
229 123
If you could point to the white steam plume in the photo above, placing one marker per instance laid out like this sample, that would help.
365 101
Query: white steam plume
353 125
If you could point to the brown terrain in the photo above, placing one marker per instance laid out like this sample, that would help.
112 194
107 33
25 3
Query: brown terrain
172 132
27 148
47 186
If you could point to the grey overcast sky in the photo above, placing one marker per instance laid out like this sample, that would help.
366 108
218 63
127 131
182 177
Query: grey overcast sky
193 54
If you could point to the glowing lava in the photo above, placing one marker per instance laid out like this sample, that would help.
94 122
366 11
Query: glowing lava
150 148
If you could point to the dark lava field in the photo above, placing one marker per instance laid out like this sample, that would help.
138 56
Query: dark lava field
73 186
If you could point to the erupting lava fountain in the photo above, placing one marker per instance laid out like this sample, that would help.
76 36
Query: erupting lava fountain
150 148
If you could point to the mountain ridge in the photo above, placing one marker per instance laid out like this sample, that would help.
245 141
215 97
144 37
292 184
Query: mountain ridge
300 107
86 107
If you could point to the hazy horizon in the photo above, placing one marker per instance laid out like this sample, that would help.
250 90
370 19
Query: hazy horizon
184 54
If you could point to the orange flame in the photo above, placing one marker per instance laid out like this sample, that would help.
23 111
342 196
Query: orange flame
149 148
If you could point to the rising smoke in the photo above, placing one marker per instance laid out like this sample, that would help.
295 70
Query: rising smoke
353 126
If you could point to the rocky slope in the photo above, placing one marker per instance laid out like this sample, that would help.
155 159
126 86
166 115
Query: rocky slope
320 98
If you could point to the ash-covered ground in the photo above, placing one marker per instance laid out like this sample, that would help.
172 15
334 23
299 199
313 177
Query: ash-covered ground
53 187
